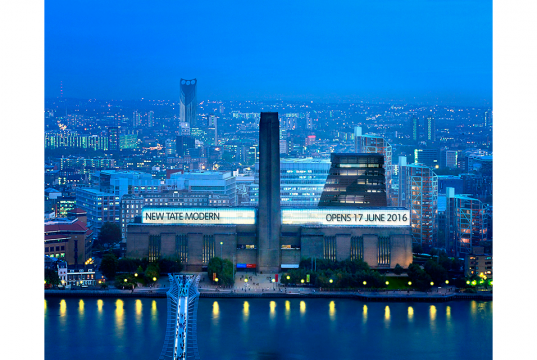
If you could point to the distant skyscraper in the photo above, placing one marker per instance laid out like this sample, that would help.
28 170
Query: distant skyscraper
431 128
136 119
415 129
113 138
355 180
151 119
212 129
189 102
486 119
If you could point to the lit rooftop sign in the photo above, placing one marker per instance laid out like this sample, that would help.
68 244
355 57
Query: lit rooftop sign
199 216
346 217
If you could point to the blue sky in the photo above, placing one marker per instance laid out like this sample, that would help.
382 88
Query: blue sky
432 51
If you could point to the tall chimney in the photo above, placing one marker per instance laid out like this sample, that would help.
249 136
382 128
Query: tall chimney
269 193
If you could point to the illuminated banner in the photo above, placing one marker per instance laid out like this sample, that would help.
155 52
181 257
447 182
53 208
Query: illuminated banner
202 216
344 217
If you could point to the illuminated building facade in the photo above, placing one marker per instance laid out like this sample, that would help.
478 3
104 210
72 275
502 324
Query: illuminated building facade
355 180
301 182
418 191
371 144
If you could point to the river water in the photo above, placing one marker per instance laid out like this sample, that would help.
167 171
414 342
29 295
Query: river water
98 329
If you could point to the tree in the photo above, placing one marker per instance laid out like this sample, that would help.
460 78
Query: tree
51 277
437 272
109 235
223 270
170 265
152 271
109 265
420 279
398 270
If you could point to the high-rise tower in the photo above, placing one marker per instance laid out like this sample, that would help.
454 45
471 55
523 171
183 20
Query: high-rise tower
189 102
415 129
269 193
431 128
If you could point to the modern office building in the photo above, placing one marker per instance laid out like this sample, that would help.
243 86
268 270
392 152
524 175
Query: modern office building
183 143
429 157
99 206
217 182
418 192
188 102
54 140
150 119
136 119
301 182
121 182
113 138
447 181
431 128
415 129
466 223
269 239
355 180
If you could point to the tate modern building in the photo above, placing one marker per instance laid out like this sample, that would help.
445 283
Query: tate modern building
351 221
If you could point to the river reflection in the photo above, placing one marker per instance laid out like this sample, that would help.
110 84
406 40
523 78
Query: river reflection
254 329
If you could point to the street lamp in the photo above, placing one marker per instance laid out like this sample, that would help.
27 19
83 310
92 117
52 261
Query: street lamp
288 277
154 278
365 283
216 279
125 280
135 274
467 282
245 280
447 282
432 283
387 283
474 283
410 283
330 281
221 243
273 280
302 281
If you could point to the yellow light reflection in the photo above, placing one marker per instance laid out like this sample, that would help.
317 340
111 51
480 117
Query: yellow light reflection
287 307
45 304
63 307
272 305
365 313
153 307
410 313
216 309
246 310
138 307
119 308
81 307
432 312
387 313
448 312
473 307
332 310
302 307
100 305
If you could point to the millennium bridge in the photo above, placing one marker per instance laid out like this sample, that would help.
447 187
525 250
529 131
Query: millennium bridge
180 340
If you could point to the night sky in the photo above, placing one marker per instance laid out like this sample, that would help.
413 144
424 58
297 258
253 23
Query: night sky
414 51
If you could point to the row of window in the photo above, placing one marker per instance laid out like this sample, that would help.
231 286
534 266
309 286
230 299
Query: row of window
51 248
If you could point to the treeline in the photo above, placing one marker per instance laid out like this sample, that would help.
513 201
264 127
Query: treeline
137 271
